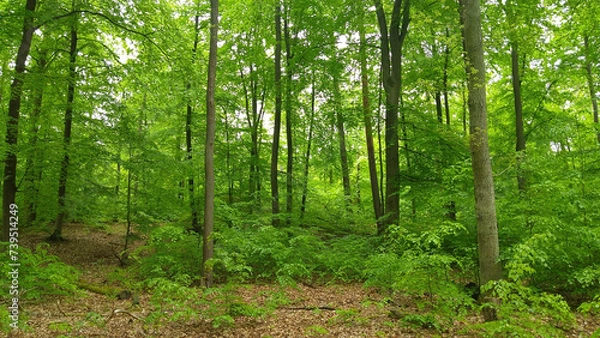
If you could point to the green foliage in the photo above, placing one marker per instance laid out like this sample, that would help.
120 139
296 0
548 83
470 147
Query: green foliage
171 300
40 274
316 330
416 264
288 254
591 307
525 309
426 321
170 253
413 263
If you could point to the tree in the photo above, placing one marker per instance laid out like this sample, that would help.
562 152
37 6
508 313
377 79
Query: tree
591 83
9 189
64 168
277 123
485 207
368 117
392 41
209 165
188 128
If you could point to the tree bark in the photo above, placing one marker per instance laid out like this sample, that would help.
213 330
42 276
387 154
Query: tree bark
308 145
64 168
277 122
591 86
391 61
9 188
33 169
254 118
485 208
188 132
209 164
521 145
445 76
289 183
339 120
378 211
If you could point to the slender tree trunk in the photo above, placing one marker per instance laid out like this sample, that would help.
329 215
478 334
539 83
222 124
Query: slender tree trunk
464 108
9 189
485 208
228 161
308 145
128 205
277 123
64 168
254 118
380 224
445 77
591 86
378 211
289 183
33 169
209 164
189 158
438 106
441 111
254 153
521 145
339 118
188 133
391 60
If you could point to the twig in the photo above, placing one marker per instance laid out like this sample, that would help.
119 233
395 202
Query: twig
117 311
310 308
59 308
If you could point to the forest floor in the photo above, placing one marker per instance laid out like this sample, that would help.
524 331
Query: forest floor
340 310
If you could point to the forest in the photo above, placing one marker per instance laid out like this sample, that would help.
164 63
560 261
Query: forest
300 168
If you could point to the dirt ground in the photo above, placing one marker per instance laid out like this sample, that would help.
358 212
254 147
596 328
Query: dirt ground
312 311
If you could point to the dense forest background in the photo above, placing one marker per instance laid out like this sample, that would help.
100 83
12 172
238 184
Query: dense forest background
112 130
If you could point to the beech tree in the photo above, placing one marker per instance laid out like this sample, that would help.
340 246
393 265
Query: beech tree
209 150
9 188
485 205
392 40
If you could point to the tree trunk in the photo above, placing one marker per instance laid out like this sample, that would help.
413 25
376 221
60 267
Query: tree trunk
485 208
516 82
339 119
188 133
391 61
209 163
378 211
289 183
33 168
438 106
380 224
445 76
277 122
229 171
591 86
9 188
64 168
254 118
308 145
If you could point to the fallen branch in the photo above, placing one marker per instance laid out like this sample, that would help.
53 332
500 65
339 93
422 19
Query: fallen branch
310 308
117 311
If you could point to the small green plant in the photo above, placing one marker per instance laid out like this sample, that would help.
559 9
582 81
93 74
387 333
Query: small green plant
93 318
223 321
591 307
60 327
170 253
423 321
171 300
40 274
316 330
